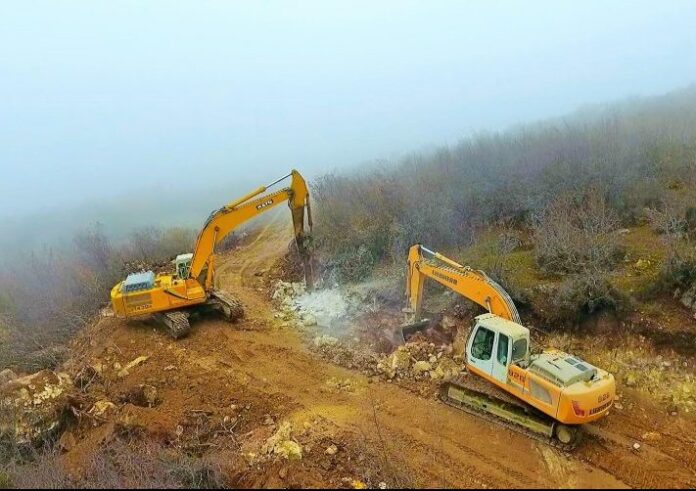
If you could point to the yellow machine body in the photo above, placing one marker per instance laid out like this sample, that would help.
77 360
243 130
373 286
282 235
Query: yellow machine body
560 385
193 283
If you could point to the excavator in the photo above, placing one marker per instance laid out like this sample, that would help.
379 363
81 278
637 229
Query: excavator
547 395
173 298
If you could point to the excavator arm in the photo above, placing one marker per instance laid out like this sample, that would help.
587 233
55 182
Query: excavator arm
229 217
472 284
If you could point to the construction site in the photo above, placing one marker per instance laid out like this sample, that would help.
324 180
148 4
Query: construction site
347 244
292 385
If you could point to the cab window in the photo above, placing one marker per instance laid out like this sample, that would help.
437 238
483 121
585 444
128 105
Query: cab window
482 347
519 350
503 348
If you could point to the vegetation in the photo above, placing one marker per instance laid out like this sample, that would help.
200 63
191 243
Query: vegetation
570 184
48 295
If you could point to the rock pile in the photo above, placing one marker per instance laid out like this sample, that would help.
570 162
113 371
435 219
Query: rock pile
282 444
309 308
419 360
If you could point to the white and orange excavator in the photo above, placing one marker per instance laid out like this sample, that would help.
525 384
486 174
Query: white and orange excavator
558 392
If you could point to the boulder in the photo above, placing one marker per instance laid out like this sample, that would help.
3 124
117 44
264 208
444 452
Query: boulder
688 298
422 367
7 375
100 408
33 407
281 443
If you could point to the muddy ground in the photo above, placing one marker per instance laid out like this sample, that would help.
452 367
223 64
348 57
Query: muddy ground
273 412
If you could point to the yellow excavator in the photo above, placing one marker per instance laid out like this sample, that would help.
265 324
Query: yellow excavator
553 393
172 298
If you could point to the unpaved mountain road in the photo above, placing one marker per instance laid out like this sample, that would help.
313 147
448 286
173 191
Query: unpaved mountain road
409 439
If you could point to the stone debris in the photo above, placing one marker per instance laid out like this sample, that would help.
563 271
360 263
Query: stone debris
651 436
320 307
7 375
125 371
419 359
331 450
340 385
325 340
282 444
421 367
100 408
32 407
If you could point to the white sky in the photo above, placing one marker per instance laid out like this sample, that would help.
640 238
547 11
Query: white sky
98 99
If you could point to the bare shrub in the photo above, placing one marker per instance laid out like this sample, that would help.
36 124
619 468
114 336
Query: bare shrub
353 266
580 296
576 234
117 465
668 221
229 243
40 469
443 198
690 216
51 293
678 270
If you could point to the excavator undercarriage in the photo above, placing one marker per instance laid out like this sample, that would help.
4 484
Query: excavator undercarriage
177 321
496 407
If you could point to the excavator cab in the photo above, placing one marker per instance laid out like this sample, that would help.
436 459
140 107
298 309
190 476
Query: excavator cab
495 344
183 265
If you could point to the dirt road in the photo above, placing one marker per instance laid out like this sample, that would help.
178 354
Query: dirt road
381 432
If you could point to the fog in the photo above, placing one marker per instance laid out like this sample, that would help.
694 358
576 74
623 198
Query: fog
166 108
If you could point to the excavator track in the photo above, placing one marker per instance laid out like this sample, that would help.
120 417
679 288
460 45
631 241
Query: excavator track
504 412
227 304
176 322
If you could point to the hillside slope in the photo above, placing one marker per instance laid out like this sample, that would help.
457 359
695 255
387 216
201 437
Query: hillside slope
249 398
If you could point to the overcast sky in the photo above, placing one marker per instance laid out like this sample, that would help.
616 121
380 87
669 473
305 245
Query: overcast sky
103 98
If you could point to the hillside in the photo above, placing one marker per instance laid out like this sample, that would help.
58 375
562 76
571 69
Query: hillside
264 404
589 222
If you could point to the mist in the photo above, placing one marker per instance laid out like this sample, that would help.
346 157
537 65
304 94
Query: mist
135 113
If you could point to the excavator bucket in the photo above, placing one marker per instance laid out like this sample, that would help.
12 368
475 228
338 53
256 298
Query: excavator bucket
409 330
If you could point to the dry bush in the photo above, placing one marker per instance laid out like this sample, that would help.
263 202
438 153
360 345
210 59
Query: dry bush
690 216
117 465
576 234
674 217
51 293
579 297
678 270
444 197
42 469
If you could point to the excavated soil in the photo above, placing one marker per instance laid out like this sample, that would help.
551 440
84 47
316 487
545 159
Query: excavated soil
226 389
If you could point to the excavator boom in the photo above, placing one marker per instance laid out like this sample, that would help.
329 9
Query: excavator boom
472 284
223 221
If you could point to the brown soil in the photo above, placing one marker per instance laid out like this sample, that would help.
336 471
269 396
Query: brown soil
226 388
